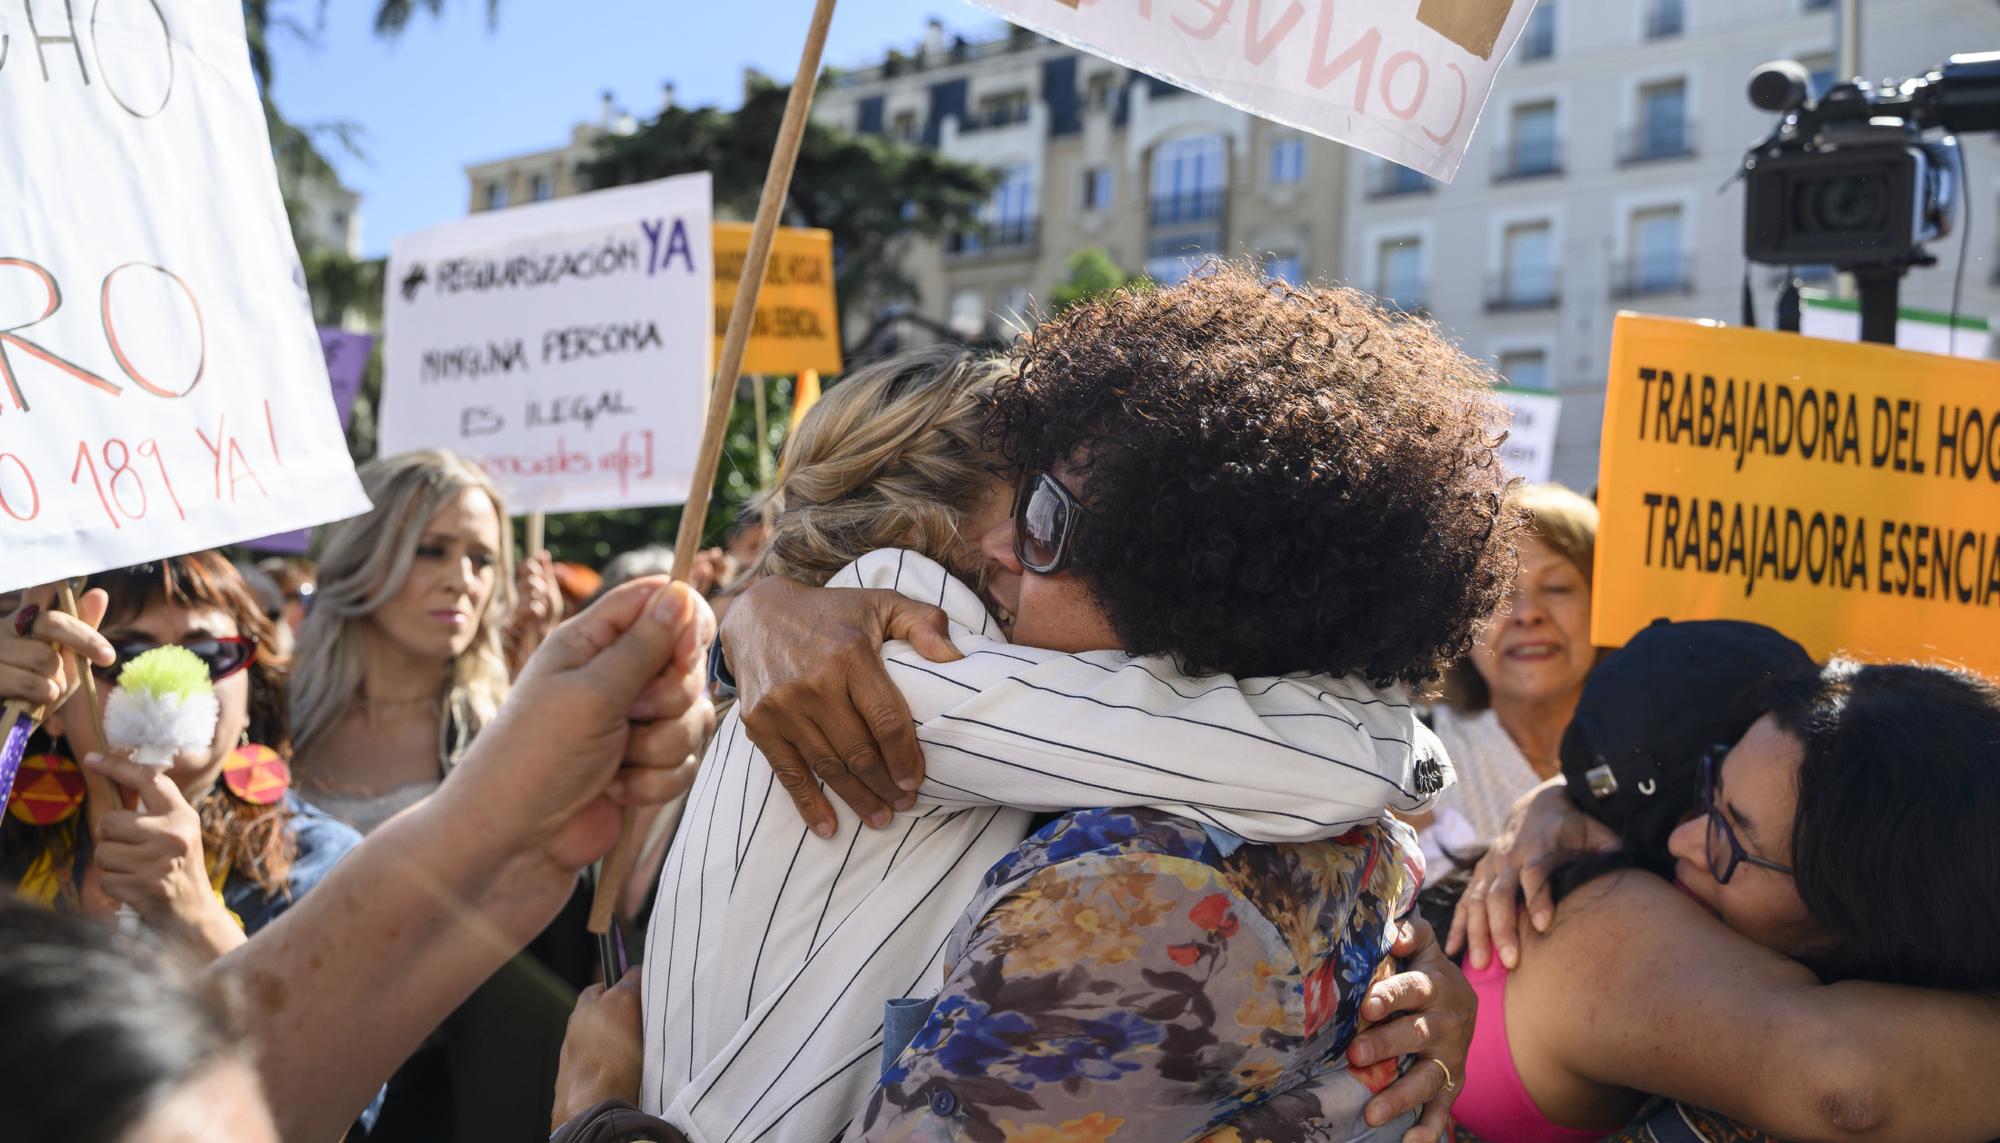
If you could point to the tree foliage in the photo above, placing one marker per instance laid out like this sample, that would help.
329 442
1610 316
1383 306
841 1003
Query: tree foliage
871 192
1089 272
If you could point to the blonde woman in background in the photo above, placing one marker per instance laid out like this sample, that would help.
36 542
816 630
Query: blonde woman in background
1508 702
401 660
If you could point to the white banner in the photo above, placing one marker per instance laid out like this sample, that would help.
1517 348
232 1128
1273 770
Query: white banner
564 345
1530 450
162 388
1405 79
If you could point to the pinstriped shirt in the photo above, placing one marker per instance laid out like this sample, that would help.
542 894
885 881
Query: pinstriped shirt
772 951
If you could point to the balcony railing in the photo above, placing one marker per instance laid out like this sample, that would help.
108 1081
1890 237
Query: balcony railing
1527 160
1007 238
1664 19
1390 180
1523 290
1655 142
1187 209
1652 277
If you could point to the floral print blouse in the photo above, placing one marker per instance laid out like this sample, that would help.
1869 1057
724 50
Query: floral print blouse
1127 975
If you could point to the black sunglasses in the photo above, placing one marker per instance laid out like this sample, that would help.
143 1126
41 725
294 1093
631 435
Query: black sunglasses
1045 520
1725 852
224 654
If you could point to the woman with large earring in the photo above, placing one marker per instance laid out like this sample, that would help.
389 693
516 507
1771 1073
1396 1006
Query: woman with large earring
215 845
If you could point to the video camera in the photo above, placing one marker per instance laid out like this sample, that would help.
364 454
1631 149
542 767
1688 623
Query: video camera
1851 180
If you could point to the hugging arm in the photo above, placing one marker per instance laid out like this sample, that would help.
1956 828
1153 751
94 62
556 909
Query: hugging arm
1707 1017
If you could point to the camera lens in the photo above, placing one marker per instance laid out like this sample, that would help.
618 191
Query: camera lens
1856 202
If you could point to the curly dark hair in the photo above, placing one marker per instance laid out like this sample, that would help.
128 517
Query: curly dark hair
1276 478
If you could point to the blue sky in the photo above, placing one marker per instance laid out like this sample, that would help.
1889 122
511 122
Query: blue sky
451 92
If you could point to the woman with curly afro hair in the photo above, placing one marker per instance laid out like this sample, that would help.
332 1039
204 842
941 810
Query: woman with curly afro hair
1221 490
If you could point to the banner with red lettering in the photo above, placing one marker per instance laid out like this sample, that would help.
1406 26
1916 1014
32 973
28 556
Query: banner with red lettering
162 389
562 345
1405 79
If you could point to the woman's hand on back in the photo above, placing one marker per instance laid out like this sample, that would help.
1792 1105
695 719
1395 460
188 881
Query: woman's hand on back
42 650
1427 1012
817 699
1543 830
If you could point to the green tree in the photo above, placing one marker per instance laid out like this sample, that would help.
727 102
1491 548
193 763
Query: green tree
1089 272
871 192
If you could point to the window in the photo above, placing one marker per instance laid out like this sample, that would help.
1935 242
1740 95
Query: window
904 127
1284 266
1525 368
1399 272
1101 91
1189 177
1097 188
1817 5
968 313
1168 260
1538 39
1665 18
1533 145
496 194
1528 270
1663 126
1008 218
1657 264
1005 109
1288 161
542 188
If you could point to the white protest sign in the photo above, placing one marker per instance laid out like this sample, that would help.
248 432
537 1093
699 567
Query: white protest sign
1530 449
162 388
564 346
1405 79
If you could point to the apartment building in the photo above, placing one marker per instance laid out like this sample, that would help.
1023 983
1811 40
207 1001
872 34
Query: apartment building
1088 155
1599 180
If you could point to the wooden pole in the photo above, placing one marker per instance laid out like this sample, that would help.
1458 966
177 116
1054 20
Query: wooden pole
722 391
537 532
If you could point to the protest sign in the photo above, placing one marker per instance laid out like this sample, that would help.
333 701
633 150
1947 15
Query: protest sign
1405 79
1530 451
160 388
797 326
1848 495
563 346
346 357
1924 330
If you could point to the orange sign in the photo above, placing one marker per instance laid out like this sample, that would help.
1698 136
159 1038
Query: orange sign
1848 495
797 325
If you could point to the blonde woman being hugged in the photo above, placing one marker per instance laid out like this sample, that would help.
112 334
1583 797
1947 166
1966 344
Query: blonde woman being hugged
401 660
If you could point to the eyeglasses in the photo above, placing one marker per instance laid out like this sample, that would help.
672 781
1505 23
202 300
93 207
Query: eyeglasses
1725 852
225 655
1045 519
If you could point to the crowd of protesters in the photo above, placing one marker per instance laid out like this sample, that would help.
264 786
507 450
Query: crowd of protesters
1111 734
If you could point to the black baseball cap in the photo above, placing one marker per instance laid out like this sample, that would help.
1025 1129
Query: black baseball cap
1631 757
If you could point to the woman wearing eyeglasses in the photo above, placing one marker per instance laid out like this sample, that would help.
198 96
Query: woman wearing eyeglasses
215 845
1840 853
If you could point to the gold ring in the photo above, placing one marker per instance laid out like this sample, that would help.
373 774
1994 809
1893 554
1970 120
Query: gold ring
1450 1084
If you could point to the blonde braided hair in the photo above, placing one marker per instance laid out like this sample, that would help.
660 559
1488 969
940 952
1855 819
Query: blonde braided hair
889 458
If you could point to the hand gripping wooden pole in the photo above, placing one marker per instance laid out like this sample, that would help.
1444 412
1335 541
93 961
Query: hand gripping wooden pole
722 393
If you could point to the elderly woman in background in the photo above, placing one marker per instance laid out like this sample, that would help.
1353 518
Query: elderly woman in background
1508 702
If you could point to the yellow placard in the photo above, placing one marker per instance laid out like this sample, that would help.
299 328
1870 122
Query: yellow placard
797 326
1847 495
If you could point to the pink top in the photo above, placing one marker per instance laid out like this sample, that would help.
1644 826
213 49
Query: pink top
1494 1104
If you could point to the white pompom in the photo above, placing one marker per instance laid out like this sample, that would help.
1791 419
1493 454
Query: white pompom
157 728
